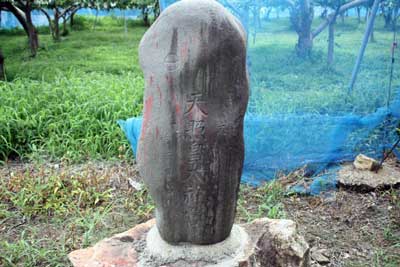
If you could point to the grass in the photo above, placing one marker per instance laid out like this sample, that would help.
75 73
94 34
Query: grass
259 202
64 104
62 107
46 211
284 83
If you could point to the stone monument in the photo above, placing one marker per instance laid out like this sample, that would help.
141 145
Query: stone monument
191 152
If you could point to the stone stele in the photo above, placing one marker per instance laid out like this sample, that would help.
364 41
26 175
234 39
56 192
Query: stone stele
191 149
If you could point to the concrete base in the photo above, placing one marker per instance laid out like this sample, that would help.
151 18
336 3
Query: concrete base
226 253
263 242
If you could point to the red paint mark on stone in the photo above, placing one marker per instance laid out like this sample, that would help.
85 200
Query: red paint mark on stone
148 107
177 109
185 50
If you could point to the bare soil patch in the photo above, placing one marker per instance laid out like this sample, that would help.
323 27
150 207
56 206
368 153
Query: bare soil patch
351 229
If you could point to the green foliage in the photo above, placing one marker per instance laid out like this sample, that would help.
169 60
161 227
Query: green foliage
65 103
28 251
263 201
47 212
58 195
141 204
71 117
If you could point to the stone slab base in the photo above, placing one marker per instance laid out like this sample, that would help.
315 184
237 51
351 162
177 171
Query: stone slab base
263 242
364 180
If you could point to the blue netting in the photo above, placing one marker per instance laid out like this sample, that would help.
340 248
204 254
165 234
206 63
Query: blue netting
287 128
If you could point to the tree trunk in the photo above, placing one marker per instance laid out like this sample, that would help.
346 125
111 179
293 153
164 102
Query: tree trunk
395 17
95 19
331 42
359 15
302 20
145 15
267 16
65 31
2 70
387 16
26 21
372 36
125 26
17 15
47 15
56 35
33 36
156 10
71 20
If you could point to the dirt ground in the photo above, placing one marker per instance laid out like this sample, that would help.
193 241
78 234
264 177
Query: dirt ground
349 228
343 228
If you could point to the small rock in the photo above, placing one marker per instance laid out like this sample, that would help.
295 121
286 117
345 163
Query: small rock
365 163
320 256
276 243
137 186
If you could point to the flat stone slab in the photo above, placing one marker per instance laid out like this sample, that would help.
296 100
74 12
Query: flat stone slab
366 180
263 242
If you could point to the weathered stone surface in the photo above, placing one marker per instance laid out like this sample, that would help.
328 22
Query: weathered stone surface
262 243
364 180
275 243
320 256
191 149
120 250
365 163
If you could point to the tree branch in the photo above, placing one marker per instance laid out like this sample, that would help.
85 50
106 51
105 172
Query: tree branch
17 13
333 15
48 18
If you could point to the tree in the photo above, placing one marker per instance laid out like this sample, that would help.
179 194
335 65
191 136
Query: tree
146 7
390 12
2 70
22 10
332 5
61 9
301 17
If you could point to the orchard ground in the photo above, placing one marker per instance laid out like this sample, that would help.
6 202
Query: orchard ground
67 169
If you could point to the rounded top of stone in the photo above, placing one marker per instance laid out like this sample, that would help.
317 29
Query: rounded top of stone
190 23
207 10
197 5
